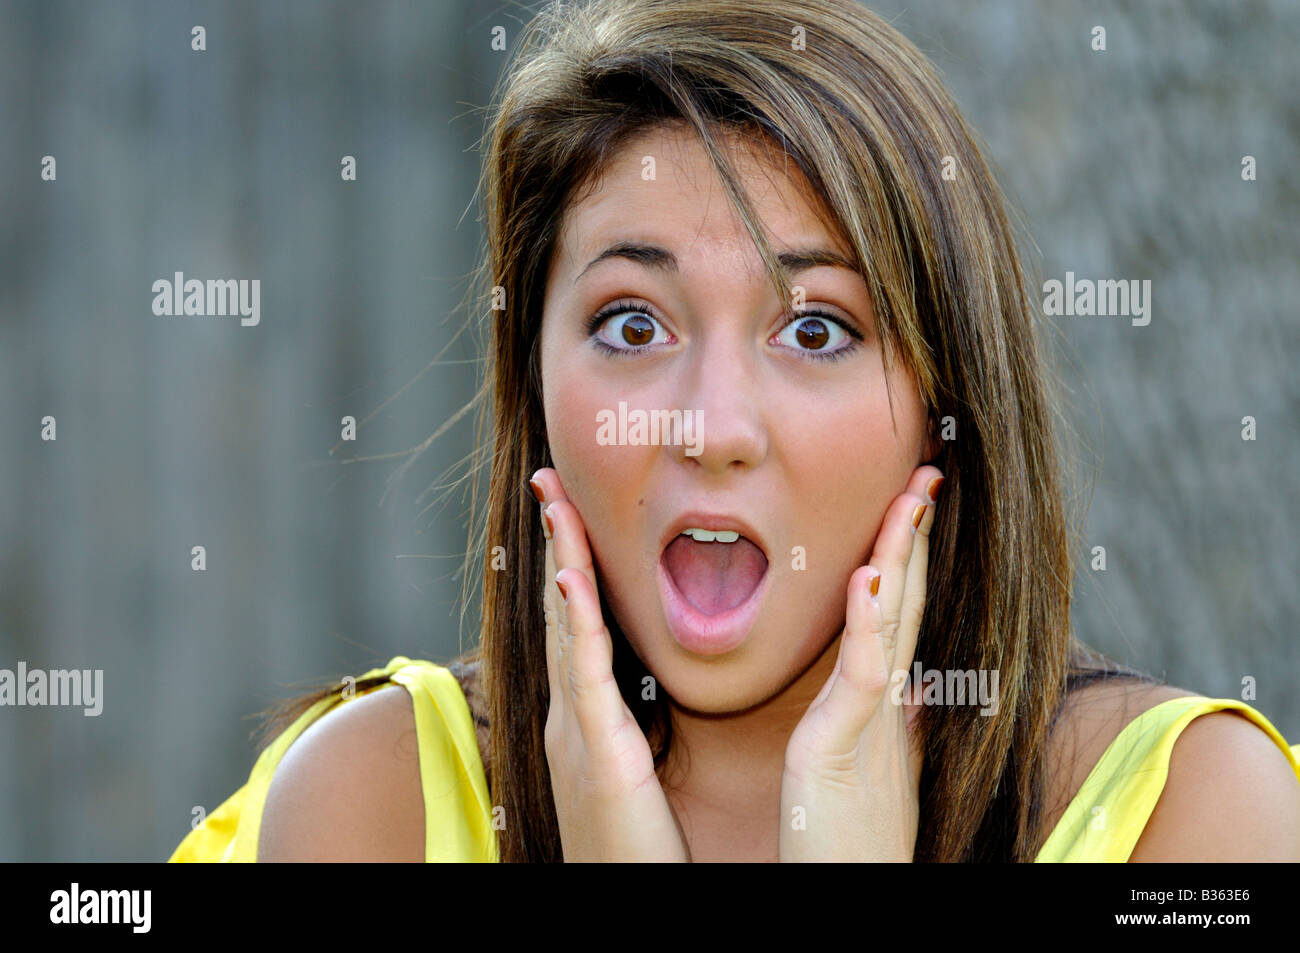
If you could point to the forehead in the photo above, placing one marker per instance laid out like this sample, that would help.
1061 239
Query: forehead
661 185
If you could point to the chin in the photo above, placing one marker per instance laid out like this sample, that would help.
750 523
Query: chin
720 685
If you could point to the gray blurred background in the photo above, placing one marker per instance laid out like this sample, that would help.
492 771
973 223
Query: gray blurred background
183 431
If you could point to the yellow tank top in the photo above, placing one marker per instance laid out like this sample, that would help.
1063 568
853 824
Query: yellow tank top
1102 823
1111 809
457 809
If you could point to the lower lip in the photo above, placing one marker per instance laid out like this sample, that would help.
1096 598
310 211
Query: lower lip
708 634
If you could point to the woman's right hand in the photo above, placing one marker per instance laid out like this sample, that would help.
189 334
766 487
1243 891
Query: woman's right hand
608 799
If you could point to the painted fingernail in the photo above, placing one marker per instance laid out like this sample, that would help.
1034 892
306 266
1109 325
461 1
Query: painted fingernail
549 527
917 515
935 486
875 585
537 490
564 590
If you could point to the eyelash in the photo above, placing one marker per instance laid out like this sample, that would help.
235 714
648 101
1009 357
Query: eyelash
639 307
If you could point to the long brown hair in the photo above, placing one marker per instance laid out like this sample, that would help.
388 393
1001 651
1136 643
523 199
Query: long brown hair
866 119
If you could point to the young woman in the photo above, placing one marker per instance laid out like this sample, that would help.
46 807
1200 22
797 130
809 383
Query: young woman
764 221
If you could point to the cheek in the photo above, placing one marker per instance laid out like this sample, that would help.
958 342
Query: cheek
570 402
845 465
845 451
601 481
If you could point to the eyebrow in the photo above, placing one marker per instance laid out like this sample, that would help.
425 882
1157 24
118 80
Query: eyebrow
792 261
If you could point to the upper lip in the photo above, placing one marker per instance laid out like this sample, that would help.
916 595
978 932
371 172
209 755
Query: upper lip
698 519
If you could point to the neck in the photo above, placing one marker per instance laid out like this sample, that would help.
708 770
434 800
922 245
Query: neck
730 765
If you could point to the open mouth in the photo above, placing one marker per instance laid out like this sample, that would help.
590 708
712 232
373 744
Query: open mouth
714 576
711 591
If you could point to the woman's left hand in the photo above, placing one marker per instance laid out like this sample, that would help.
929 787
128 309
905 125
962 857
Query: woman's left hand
850 790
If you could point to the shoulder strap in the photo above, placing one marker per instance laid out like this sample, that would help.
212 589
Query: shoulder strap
1111 809
231 832
457 806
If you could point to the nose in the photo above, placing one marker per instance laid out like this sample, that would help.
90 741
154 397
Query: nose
721 386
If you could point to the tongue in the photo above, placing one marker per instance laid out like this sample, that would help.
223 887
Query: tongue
714 577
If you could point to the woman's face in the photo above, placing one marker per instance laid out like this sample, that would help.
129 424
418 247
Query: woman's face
797 454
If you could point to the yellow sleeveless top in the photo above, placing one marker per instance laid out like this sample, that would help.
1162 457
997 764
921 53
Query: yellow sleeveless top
1102 823
457 810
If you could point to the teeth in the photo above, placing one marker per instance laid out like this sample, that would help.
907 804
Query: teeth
709 536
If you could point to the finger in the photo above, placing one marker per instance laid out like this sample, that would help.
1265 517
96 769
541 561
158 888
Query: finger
570 549
597 702
926 481
893 551
551 604
558 637
861 676
912 610
566 550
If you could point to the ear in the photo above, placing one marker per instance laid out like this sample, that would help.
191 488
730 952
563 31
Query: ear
932 442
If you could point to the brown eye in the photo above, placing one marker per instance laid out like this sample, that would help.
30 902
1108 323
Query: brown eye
638 330
818 336
626 329
812 333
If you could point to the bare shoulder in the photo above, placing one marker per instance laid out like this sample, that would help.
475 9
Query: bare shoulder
348 788
1230 793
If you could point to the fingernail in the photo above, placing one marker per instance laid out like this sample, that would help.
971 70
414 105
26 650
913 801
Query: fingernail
564 591
537 490
935 486
549 527
875 586
917 515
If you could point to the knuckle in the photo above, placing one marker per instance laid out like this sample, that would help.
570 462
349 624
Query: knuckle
889 637
875 679
577 686
869 677
584 686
